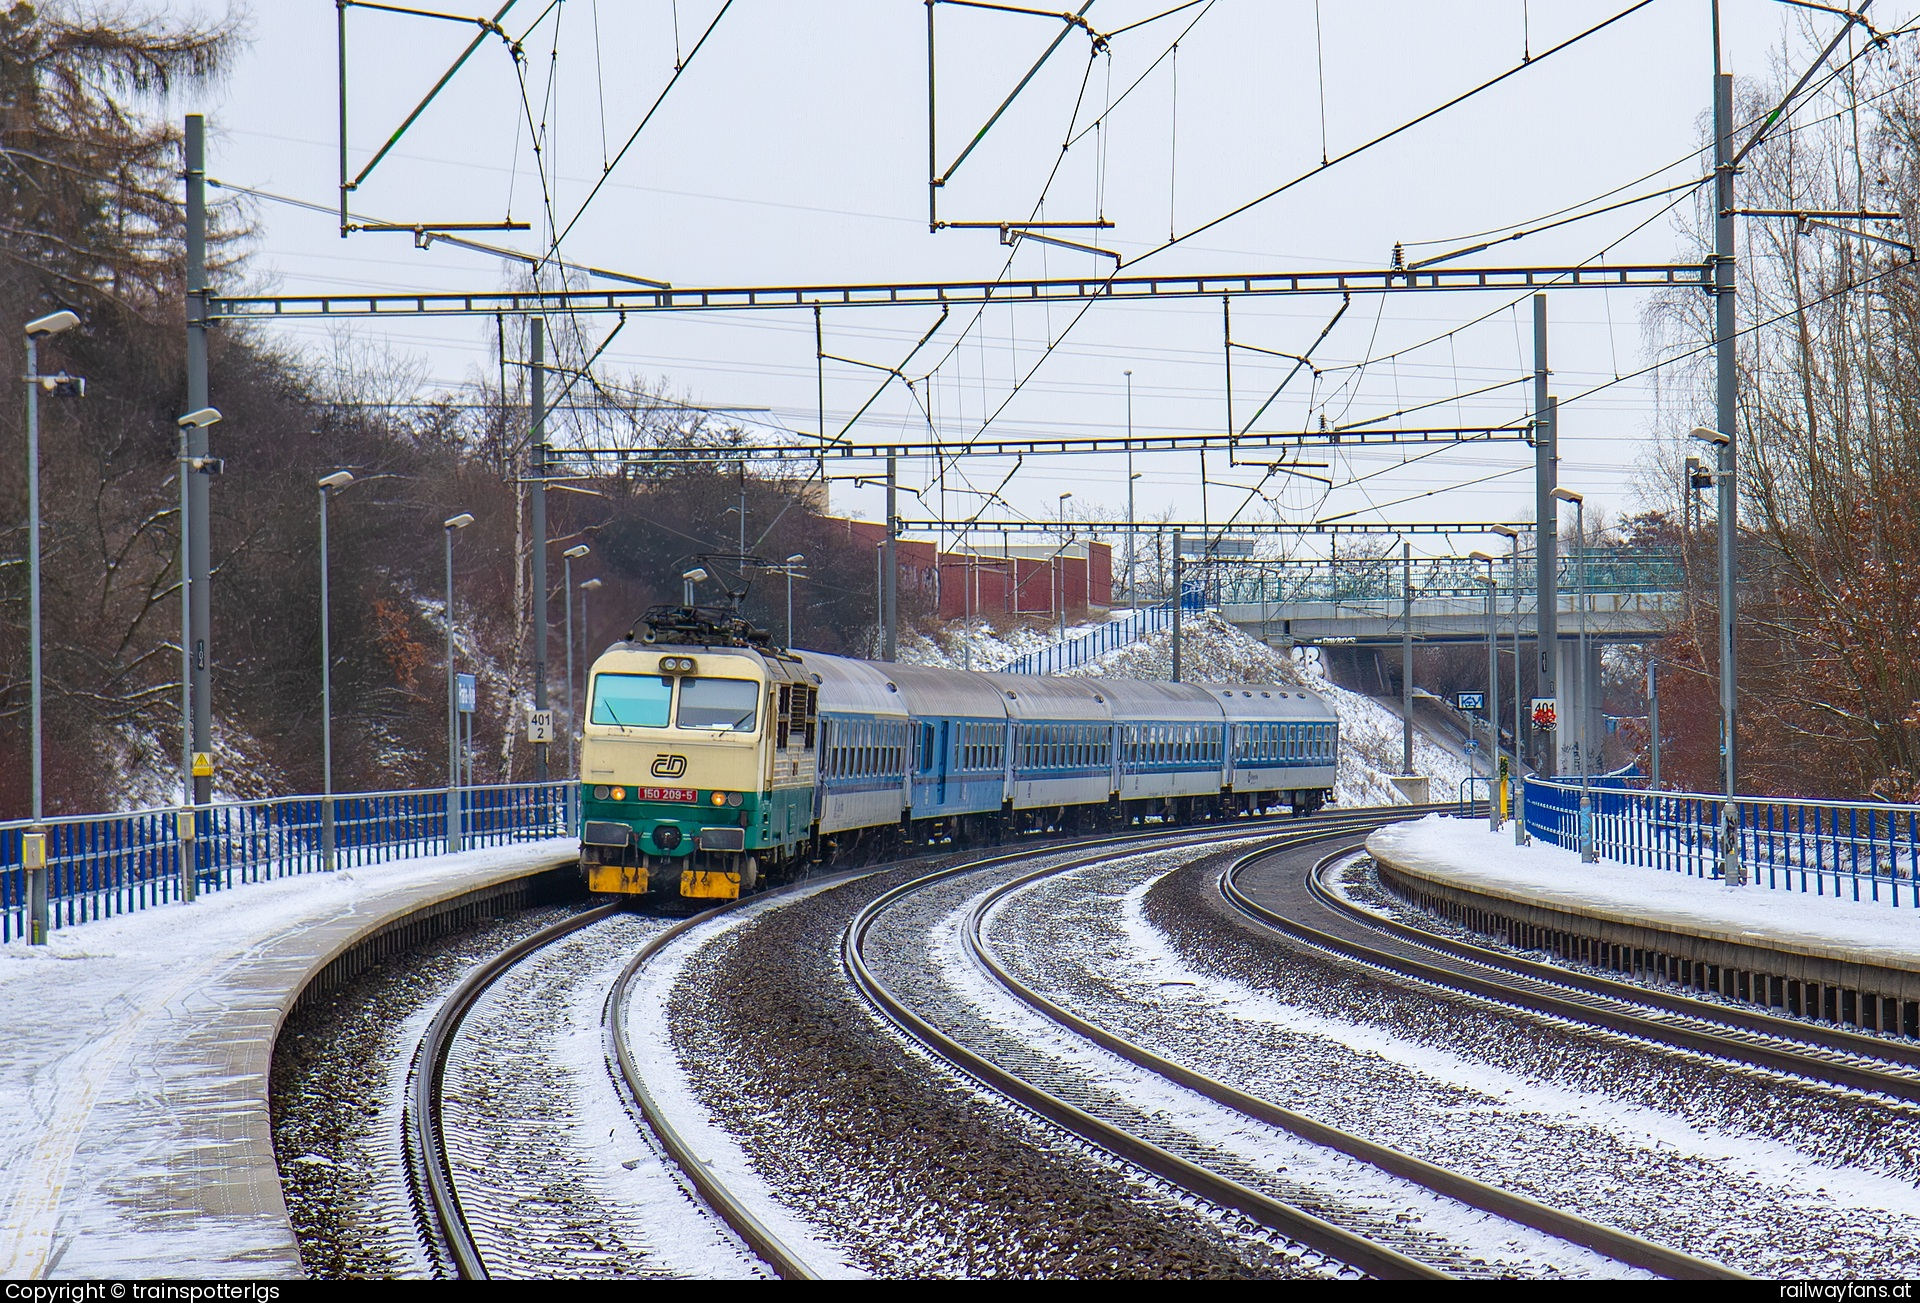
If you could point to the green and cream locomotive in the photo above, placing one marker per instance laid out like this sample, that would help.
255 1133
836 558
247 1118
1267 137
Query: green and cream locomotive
696 761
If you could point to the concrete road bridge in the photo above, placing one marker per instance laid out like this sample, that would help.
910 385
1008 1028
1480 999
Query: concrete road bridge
1629 595
1359 611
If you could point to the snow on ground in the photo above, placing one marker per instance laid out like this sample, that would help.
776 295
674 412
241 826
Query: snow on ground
1355 1185
977 645
1821 1184
90 1019
650 1040
1465 852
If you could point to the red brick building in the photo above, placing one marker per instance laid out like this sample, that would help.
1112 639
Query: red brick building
1012 580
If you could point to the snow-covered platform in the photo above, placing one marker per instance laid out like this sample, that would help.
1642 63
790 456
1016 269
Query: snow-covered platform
1847 961
134 1132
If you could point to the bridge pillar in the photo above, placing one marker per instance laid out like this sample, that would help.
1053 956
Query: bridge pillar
1579 689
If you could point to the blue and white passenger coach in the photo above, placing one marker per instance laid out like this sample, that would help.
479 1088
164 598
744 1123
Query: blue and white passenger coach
711 760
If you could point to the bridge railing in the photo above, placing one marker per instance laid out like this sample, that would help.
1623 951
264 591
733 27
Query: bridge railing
1864 851
99 865
1376 579
1127 629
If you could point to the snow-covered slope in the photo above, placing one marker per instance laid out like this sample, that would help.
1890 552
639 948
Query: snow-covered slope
1214 651
977 645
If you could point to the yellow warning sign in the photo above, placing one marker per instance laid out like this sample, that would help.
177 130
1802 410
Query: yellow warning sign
202 765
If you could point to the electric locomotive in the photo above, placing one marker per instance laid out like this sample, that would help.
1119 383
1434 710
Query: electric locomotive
711 760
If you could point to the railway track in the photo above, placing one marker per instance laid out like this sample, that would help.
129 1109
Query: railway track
1298 904
1304 908
446 1225
1056 1096
444 1222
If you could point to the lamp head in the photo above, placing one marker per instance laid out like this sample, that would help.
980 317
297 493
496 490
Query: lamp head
337 480
796 558
1505 531
694 576
1486 579
1483 556
1704 435
51 324
1066 495
589 584
1568 495
460 521
575 553
199 420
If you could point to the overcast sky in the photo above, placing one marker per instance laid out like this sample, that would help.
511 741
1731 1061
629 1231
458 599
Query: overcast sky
793 150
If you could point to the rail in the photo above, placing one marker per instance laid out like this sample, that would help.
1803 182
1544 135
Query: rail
1499 1201
1866 851
433 1177
99 865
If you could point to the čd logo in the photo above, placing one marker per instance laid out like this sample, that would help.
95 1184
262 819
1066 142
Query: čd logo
669 766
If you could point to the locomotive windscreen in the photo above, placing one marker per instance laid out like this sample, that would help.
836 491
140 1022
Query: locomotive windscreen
631 700
722 705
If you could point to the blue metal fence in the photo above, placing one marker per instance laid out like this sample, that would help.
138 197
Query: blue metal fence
1858 851
99 865
1129 628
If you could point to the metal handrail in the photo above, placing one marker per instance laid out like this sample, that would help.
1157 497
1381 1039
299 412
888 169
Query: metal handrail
1868 850
99 865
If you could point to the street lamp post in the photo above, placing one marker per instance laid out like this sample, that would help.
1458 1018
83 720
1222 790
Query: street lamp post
189 817
1133 586
328 485
567 558
586 639
798 558
1131 477
586 627
1493 692
1722 476
1516 783
36 330
450 524
1581 744
1061 563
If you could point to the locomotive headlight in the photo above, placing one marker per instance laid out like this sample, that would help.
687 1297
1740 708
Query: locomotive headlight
719 798
600 792
734 798
619 793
